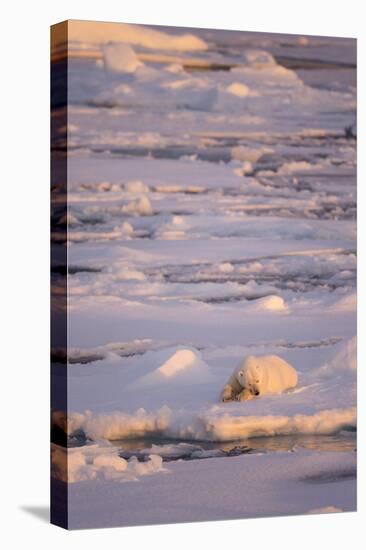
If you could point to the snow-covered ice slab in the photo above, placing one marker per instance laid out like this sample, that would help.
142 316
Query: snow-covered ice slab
243 487
174 393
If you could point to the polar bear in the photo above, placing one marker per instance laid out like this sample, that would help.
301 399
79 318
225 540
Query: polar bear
259 375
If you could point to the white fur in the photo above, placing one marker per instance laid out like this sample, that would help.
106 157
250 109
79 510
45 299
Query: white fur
259 375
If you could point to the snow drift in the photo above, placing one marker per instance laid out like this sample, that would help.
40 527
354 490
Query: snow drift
97 32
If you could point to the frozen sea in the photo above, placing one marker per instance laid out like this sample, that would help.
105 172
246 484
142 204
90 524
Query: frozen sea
211 216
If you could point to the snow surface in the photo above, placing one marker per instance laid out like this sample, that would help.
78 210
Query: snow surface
239 487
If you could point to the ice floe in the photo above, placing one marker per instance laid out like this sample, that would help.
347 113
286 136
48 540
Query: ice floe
211 216
99 462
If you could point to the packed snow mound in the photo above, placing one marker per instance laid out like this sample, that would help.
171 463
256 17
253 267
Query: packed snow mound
343 361
139 207
238 89
250 154
120 58
289 168
269 303
346 358
106 186
346 303
126 230
96 32
181 360
182 366
126 274
259 59
99 462
226 267
264 65
136 186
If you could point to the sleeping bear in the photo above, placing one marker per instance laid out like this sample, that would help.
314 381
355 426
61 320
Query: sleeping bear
259 375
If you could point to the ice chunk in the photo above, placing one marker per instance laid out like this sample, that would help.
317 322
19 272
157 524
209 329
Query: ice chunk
270 303
174 68
99 461
120 58
110 461
297 166
136 186
107 186
259 59
127 230
226 267
130 275
238 89
154 464
240 152
76 468
141 206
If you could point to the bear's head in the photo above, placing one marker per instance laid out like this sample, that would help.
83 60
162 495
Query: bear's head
249 375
